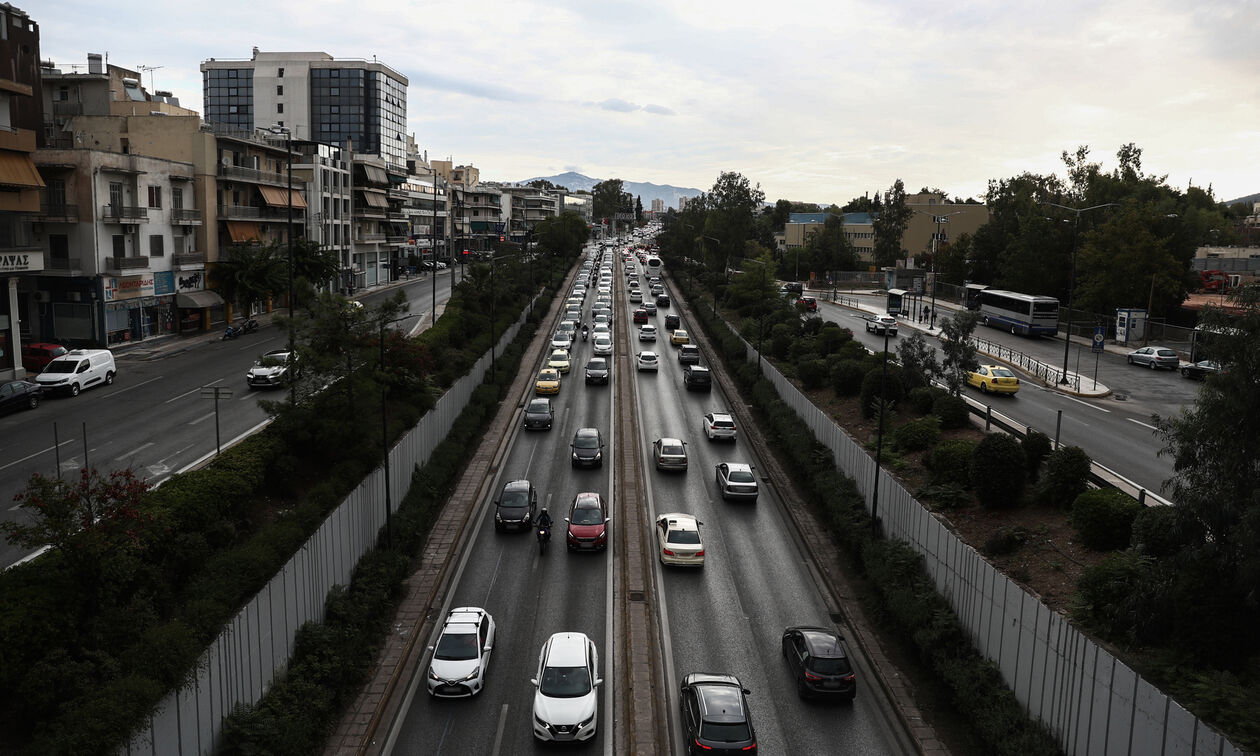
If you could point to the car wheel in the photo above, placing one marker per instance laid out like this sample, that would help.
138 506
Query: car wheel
1130 360
109 378
74 389
984 387
1185 372
32 402
1152 365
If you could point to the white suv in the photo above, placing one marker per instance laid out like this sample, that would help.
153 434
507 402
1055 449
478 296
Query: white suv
462 653
719 425
566 707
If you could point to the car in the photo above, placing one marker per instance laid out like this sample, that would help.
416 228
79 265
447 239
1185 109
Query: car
662 301
573 313
559 360
640 316
273 370
650 308
882 324
657 290
588 523
735 480
678 541
561 340
597 371
566 707
601 329
792 287
36 355
602 319
679 337
1200 370
646 361
567 327
603 346
688 354
997 379
538 414
809 303
516 506
548 382
719 425
647 333
636 296
587 448
16 395
672 322
461 655
715 716
820 662
669 454
1155 357
697 378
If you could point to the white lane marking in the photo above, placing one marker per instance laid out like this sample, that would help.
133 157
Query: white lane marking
137 385
609 616
206 416
134 452
191 391
494 576
36 454
1139 422
1087 404
498 733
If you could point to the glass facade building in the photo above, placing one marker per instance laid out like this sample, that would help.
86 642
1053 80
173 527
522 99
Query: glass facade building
229 97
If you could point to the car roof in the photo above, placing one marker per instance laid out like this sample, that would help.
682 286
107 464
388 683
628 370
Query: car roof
517 485
822 642
680 521
721 415
567 650
586 432
736 466
464 619
586 500
539 402
720 700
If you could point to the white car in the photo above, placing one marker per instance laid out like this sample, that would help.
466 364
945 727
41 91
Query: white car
647 333
462 653
561 341
719 425
603 346
566 707
646 361
636 296
678 540
272 370
881 324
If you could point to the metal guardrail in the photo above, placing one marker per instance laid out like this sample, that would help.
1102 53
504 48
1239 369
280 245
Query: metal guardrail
1029 364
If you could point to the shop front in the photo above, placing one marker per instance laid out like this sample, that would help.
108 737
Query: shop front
199 308
138 307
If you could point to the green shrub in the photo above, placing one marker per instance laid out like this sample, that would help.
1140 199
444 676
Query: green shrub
846 377
921 399
832 337
919 434
1036 447
998 470
780 341
1005 540
1157 531
1103 518
1107 594
952 411
1066 476
893 390
950 462
812 372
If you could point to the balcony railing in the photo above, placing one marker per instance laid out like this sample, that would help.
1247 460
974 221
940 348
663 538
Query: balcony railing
63 263
67 108
240 211
126 263
181 215
189 258
367 238
58 212
124 214
252 174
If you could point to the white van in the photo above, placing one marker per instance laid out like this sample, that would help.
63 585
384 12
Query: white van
77 370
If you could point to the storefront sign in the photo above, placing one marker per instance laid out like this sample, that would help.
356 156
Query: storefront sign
128 287
163 283
194 281
20 262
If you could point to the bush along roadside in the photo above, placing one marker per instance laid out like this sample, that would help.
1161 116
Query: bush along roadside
903 589
332 659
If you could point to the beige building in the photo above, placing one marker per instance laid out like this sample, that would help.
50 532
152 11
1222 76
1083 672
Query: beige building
955 220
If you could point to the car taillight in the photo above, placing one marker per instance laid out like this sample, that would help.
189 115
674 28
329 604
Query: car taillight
752 747
700 552
812 677
848 678
668 552
702 745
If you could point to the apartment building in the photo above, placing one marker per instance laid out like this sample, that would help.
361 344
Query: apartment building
955 219
524 207
859 229
323 171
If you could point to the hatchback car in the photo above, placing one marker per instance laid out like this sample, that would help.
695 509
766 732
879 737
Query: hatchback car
809 304
679 337
669 454
678 540
1200 370
562 340
719 425
819 662
636 296
273 370
548 382
715 715
559 360
461 655
672 322
603 346
735 480
566 707
538 414
516 505
588 523
662 301
688 354
647 333
1155 357
650 307
597 371
37 355
881 324
697 378
994 378
646 361
640 317
587 448
17 395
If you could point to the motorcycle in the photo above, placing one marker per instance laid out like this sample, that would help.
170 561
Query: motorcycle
250 326
544 536
232 332
584 333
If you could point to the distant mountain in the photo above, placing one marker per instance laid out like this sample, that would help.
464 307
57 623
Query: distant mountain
643 190
1246 200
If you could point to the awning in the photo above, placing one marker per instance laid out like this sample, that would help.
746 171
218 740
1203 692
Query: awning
276 197
375 200
243 231
17 169
375 175
194 300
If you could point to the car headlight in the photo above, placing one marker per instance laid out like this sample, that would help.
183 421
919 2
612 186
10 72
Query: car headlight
599 455
586 722
498 517
541 722
433 675
576 457
472 675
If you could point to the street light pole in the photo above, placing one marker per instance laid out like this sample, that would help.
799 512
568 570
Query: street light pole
288 149
1067 335
761 321
879 442
389 501
433 245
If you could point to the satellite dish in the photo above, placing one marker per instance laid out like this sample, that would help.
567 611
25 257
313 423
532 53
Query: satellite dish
227 161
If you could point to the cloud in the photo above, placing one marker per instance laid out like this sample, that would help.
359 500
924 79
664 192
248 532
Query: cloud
658 110
433 80
621 106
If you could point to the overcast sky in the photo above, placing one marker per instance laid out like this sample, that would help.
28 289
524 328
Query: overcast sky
815 101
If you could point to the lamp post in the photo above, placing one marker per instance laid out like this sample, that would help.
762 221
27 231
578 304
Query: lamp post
879 438
288 148
1076 227
389 501
433 244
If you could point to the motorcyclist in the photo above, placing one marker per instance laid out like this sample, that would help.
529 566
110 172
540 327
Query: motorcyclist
585 331
544 519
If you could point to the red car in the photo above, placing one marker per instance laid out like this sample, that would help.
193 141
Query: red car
640 316
588 523
36 356
809 303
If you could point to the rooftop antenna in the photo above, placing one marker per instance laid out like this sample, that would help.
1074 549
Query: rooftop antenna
150 69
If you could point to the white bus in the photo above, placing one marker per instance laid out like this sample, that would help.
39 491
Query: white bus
1021 313
653 266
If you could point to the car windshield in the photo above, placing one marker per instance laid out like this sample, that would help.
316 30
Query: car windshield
548 375
684 536
456 647
597 365
61 366
648 357
586 442
587 516
830 666
565 682
1166 353
514 499
742 476
725 732
537 407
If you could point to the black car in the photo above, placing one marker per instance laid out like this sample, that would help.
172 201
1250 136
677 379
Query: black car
538 414
662 300
16 395
672 322
715 715
1200 370
820 662
697 378
515 507
597 371
587 447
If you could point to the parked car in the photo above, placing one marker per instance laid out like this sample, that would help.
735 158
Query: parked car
538 414
587 448
566 707
1200 370
819 662
881 324
719 425
669 454
516 506
78 369
1155 357
461 655
548 382
994 378
678 540
792 287
735 480
588 523
17 395
597 371
646 361
715 715
37 355
697 378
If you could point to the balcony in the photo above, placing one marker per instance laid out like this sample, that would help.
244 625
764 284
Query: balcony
240 212
126 264
67 108
189 260
241 173
184 217
58 212
72 265
369 238
124 214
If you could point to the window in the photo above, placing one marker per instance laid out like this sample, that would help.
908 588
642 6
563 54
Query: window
155 246
279 89
334 91
232 109
120 245
280 123
280 73
280 108
177 198
155 196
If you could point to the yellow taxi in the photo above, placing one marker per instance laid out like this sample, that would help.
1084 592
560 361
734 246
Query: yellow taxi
994 378
548 381
679 337
559 360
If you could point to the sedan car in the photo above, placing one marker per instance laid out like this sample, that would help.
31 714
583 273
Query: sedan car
461 655
715 716
669 454
587 448
588 523
636 296
1200 370
995 378
548 382
603 346
559 360
819 662
538 414
562 341
1155 357
646 361
678 540
597 371
650 307
515 507
640 316
809 304
881 324
16 395
647 333
273 369
735 480
566 707
679 337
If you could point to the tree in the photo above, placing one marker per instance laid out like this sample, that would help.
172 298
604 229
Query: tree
1118 262
890 225
609 199
863 204
314 267
731 205
248 274
918 360
958 354
543 184
638 209
562 234
781 214
827 248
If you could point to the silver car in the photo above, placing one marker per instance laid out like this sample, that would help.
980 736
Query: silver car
1155 357
669 454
